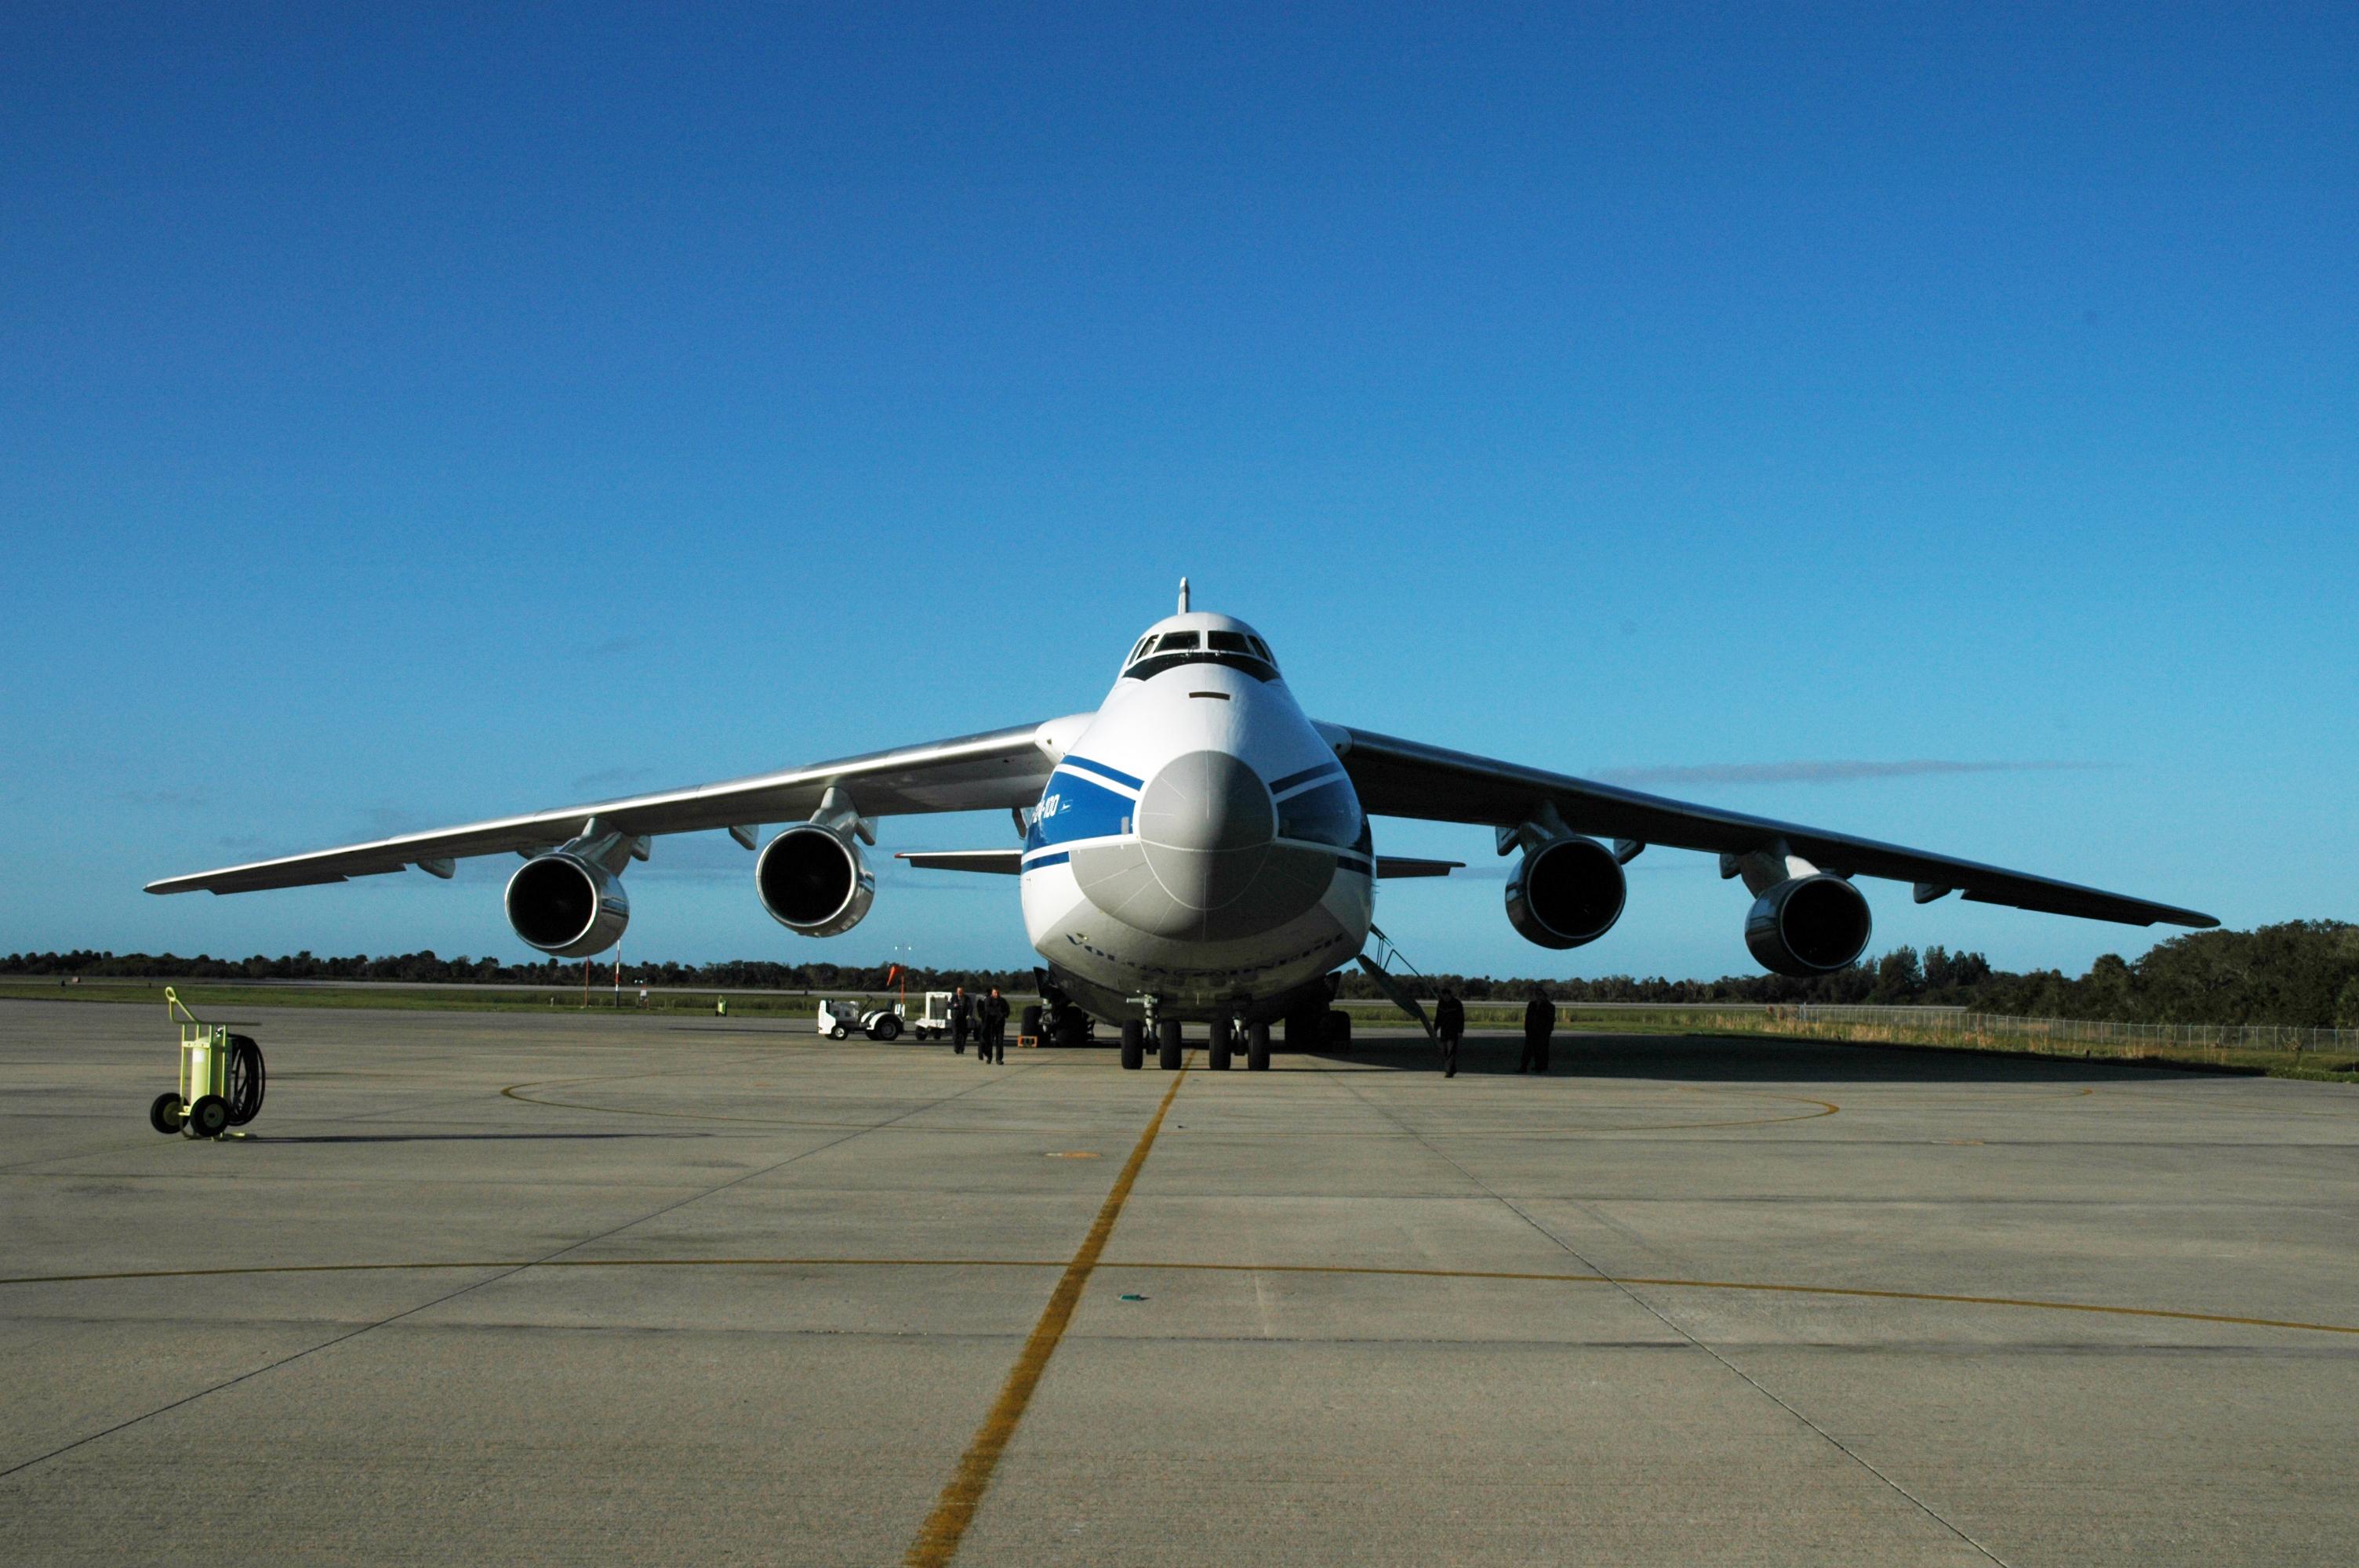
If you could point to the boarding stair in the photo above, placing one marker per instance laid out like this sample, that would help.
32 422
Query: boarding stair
1379 962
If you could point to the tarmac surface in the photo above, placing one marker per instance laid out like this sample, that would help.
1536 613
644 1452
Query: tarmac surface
617 1289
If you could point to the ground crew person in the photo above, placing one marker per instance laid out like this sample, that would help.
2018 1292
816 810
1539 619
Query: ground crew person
994 1027
962 1020
1449 1024
1539 1023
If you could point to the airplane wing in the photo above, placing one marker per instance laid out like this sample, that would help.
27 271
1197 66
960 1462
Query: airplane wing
1405 778
998 771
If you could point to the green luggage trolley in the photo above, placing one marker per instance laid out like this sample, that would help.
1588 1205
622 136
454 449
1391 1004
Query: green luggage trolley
221 1079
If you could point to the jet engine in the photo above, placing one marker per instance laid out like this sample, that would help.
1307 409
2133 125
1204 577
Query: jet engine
1807 926
813 882
567 905
1566 892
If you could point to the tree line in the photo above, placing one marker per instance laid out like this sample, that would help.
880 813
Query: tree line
2303 973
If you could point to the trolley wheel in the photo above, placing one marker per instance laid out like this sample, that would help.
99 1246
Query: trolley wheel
245 1081
1134 1045
1217 1053
838 1033
887 1028
164 1115
208 1118
1168 1038
1258 1048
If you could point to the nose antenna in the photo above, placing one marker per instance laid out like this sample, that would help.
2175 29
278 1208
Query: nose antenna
1183 596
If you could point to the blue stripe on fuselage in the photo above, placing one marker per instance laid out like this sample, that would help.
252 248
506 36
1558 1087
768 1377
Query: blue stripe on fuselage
1075 806
1279 786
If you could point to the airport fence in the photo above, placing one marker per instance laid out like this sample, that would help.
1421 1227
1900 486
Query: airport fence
2087 1036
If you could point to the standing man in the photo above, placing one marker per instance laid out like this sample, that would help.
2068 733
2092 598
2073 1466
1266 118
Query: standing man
1539 1023
1449 1022
962 1020
994 1027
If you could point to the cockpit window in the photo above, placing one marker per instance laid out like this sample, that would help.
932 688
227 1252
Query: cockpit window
1262 648
1235 649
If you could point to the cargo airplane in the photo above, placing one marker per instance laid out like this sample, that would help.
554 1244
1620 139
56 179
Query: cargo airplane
1196 848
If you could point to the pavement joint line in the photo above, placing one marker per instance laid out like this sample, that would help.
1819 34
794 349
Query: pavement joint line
544 1260
937 1538
1627 1287
1510 1276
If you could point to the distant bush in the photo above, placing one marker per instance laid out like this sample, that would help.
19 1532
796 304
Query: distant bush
2304 973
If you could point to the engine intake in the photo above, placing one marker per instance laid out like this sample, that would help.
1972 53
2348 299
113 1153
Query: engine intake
1807 926
813 881
567 906
1565 892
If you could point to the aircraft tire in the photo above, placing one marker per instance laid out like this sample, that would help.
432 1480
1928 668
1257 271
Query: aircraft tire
1134 1045
1168 1038
164 1115
1216 1057
1258 1048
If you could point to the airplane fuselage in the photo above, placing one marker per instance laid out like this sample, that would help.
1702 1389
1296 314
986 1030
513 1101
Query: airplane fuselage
1199 843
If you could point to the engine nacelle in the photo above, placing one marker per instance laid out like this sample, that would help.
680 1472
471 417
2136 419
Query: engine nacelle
1807 926
567 906
1565 892
813 881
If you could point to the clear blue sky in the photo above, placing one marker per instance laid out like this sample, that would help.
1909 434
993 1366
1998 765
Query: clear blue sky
406 422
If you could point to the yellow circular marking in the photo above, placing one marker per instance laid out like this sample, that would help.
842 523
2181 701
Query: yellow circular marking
1360 1269
1819 1107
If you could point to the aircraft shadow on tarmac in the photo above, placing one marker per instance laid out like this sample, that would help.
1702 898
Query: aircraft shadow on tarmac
1707 1059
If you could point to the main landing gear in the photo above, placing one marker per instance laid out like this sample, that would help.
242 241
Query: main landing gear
1169 1045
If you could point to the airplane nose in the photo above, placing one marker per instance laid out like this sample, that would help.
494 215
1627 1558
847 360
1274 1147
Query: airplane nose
1206 823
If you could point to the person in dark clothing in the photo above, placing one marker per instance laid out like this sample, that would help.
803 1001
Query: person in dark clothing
994 1027
962 1020
1539 1023
1449 1024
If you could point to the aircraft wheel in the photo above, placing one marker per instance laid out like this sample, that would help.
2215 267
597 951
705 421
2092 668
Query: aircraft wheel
1258 1048
208 1118
1134 1045
245 1081
164 1115
1217 1056
1167 1037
